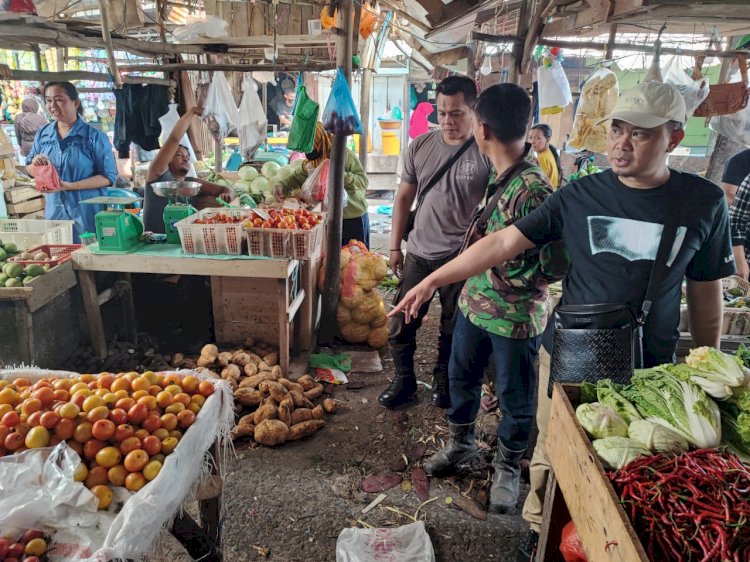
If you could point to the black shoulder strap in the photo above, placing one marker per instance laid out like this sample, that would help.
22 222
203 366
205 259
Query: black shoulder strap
515 170
668 236
442 171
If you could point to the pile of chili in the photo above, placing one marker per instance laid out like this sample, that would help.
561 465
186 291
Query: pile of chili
692 506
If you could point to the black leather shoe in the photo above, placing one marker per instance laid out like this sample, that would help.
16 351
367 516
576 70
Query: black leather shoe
527 549
440 395
401 390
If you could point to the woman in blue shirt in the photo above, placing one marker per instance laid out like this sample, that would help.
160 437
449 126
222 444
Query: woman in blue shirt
82 155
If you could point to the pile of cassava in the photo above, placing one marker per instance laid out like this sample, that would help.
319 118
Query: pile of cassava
276 409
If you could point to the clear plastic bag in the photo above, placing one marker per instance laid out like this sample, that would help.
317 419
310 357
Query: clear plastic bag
315 188
197 27
408 542
340 115
692 91
735 126
220 111
252 120
598 97
554 88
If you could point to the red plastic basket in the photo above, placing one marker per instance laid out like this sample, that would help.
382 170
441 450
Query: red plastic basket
58 253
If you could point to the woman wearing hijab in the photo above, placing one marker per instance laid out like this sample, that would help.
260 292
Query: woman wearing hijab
418 124
356 222
27 123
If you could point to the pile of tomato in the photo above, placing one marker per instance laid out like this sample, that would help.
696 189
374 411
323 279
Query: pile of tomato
221 218
28 548
122 426
291 219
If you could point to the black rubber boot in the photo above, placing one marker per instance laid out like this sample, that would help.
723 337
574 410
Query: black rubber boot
400 391
527 550
507 479
459 456
440 394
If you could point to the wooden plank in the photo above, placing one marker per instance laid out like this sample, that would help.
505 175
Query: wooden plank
93 313
449 57
554 518
51 285
450 11
21 193
292 40
128 308
35 215
25 207
605 531
283 319
84 259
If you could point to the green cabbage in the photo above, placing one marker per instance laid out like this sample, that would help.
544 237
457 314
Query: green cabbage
616 452
717 373
656 438
270 169
247 173
601 421
678 405
609 394
259 185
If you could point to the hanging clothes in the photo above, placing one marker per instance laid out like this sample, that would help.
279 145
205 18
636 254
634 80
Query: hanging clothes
137 118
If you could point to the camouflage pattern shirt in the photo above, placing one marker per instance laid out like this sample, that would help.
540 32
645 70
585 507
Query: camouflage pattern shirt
510 299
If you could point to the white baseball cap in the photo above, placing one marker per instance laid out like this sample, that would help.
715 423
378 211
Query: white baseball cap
649 105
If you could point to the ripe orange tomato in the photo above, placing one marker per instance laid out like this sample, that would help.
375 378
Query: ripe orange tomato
98 413
64 428
37 437
123 431
103 430
130 444
168 445
164 399
183 398
103 494
92 402
11 419
186 418
69 411
190 384
117 475
92 447
137 414
49 420
152 445
97 475
151 423
206 388
175 408
82 432
136 460
135 481
161 434
124 404
108 457
151 470
34 419
31 405
14 441
118 416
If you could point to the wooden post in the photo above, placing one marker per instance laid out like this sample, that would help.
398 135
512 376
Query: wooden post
104 10
723 148
336 188
161 8
611 42
364 114
38 59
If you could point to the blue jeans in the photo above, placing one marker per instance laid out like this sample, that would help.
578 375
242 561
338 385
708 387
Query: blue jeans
515 379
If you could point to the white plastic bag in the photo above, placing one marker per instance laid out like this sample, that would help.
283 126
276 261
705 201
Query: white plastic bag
220 111
692 91
554 89
252 120
197 27
408 543
735 126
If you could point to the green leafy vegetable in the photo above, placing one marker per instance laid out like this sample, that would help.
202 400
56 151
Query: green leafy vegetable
718 372
588 393
610 394
616 452
743 354
656 438
601 421
710 382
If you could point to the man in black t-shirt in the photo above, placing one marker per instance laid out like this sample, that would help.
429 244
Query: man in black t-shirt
611 224
735 170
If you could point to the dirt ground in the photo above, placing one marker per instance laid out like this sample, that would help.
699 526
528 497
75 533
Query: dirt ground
290 503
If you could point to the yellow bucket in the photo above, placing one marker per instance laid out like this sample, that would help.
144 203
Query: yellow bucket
391 143
356 143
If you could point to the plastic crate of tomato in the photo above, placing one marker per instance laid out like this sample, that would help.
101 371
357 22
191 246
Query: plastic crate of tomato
285 233
213 231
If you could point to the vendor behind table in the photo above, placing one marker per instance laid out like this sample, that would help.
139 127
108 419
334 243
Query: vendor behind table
172 163
81 154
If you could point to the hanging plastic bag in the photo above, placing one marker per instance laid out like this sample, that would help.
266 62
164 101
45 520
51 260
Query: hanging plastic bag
328 18
252 122
598 97
408 542
302 130
46 178
693 91
554 89
368 20
315 188
340 115
220 111
198 27
735 126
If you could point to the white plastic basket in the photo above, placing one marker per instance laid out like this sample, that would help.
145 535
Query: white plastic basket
27 233
306 242
212 238
269 242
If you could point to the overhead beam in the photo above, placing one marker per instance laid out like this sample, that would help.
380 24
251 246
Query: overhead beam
451 11
175 67
449 57
280 41
401 12
70 75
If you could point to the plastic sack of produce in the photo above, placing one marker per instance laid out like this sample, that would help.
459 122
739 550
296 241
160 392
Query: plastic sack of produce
220 111
198 27
407 542
46 178
598 98
554 89
570 545
252 122
315 188
38 487
693 91
340 115
368 21
302 130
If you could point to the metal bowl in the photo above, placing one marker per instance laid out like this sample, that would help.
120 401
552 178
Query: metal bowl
176 188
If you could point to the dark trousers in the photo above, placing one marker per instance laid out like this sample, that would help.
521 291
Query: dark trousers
356 229
403 337
515 379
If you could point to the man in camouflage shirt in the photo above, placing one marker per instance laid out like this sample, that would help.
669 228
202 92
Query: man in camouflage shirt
502 310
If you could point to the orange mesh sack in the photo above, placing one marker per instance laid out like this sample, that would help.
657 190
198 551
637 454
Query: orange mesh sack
328 21
361 315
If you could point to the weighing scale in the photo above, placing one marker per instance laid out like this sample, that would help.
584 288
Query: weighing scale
117 230
178 193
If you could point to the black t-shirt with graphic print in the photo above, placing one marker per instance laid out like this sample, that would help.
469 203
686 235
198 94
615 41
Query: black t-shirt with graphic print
612 234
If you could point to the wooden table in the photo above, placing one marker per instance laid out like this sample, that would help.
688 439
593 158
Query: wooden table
258 298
